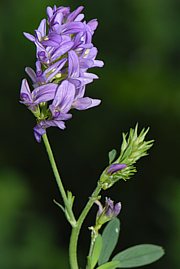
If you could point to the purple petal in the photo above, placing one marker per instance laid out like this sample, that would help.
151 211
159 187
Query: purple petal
44 93
64 97
42 27
25 93
53 40
73 69
29 36
117 209
55 123
90 75
60 124
85 103
85 63
55 37
81 81
80 17
38 132
50 43
98 63
80 92
109 205
72 16
93 24
86 46
60 116
86 78
49 12
72 28
62 50
115 168
109 202
38 35
42 56
92 53
31 73
54 69
76 82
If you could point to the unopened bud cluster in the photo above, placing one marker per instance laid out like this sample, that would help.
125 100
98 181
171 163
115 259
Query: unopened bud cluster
133 148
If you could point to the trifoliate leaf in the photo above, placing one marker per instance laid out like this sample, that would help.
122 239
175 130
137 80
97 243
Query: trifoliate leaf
139 255
109 265
109 240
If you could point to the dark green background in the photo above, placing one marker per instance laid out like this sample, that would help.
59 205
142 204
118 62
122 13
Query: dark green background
139 41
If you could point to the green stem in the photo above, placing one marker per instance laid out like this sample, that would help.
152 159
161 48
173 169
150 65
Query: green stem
93 239
77 228
58 180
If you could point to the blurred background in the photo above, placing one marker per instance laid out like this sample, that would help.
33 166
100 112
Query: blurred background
139 41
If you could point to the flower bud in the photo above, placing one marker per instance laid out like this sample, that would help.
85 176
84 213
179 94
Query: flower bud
106 213
132 149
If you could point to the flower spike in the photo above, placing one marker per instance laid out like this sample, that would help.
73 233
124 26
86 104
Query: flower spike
64 53
132 149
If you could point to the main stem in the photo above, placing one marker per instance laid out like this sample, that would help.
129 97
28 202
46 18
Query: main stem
58 179
77 228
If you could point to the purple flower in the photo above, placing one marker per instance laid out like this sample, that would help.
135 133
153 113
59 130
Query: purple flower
106 213
82 103
64 53
59 109
113 168
41 94
41 77
109 210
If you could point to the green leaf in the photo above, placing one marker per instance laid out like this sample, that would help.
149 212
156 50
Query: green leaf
70 198
109 240
96 251
62 208
139 255
109 265
112 155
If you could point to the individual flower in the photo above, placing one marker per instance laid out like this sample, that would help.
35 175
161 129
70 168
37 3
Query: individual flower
109 210
59 109
105 213
39 95
64 53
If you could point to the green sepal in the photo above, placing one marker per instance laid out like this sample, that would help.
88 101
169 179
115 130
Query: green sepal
110 237
109 265
139 255
112 155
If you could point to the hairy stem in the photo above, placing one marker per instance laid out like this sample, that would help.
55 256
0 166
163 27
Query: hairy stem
58 180
77 228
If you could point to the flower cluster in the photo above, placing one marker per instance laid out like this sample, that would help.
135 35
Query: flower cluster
133 148
64 53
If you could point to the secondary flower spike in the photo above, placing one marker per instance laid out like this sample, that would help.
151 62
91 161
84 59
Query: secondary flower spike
133 148
64 53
